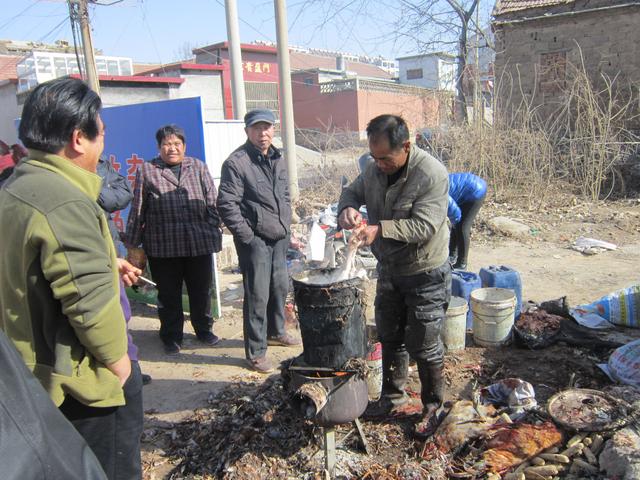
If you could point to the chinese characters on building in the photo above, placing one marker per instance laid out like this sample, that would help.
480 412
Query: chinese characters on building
256 67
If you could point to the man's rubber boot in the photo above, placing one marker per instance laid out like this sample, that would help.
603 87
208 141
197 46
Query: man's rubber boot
395 372
432 394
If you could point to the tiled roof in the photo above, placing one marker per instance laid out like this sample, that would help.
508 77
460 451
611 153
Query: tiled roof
508 6
8 67
303 61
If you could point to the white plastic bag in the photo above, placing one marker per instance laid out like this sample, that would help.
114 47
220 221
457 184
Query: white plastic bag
624 364
315 246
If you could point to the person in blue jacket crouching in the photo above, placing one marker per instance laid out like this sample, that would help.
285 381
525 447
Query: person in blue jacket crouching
466 195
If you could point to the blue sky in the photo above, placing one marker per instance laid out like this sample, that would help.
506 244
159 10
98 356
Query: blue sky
161 30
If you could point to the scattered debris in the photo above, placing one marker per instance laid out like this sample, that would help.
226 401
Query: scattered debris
591 246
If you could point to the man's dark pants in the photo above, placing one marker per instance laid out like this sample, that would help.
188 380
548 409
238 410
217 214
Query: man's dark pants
409 313
113 433
266 282
197 274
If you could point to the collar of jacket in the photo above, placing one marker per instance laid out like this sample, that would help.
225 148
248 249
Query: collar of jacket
90 183
168 174
158 162
256 155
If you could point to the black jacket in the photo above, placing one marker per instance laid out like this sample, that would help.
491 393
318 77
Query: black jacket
253 198
36 441
115 194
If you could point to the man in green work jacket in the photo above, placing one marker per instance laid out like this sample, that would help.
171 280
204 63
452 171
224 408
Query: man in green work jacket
59 285
406 192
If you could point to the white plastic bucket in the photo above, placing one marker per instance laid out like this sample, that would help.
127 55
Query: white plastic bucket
453 331
374 376
493 315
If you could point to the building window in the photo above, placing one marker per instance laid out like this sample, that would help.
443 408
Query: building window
414 73
308 81
553 71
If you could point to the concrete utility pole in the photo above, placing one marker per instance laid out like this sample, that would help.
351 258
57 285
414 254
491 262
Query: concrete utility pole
87 46
237 80
286 97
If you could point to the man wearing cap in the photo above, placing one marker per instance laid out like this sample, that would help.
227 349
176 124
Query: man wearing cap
254 204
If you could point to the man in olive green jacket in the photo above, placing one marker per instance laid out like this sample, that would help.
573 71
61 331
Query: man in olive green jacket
406 192
59 285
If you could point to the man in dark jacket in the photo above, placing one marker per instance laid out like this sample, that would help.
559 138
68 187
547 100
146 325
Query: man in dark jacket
254 203
405 190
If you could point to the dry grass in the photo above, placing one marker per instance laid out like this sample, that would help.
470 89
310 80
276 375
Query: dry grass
527 158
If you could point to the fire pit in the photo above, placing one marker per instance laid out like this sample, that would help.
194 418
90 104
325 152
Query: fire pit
325 385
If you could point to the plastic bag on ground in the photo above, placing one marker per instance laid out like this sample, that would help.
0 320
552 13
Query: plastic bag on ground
514 393
620 308
624 364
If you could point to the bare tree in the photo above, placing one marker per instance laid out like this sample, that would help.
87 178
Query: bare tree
184 51
439 25
430 25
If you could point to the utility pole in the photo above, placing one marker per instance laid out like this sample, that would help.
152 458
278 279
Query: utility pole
477 87
237 80
286 97
79 8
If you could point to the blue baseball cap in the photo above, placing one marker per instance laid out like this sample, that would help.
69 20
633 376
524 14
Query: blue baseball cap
259 115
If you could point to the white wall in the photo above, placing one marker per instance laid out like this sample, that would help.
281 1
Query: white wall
9 111
429 66
208 86
113 95
437 72
220 139
447 74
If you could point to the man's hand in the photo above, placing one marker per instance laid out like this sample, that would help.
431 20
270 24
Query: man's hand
121 368
349 218
128 272
368 234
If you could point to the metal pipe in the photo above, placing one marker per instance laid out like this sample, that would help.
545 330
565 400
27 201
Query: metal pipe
235 55
286 97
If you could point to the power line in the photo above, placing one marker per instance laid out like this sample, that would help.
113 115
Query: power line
19 14
73 18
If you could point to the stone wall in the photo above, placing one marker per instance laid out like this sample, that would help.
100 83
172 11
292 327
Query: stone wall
534 58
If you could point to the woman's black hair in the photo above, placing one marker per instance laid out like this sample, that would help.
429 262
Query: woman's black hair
167 131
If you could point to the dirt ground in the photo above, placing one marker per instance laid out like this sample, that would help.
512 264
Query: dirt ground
548 268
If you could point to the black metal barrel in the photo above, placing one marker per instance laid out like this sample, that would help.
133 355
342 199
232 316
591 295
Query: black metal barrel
332 321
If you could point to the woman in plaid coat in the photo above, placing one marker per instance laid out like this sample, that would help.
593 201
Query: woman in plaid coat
173 216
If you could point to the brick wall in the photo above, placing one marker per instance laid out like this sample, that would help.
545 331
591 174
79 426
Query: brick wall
528 53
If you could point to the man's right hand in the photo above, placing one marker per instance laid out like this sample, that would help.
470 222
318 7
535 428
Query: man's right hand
349 218
121 368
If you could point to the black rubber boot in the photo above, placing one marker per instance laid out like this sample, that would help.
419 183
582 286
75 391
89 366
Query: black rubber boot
395 372
432 394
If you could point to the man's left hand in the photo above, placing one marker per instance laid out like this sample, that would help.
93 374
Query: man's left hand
128 272
368 234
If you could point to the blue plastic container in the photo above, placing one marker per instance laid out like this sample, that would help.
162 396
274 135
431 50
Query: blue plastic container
501 276
462 284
